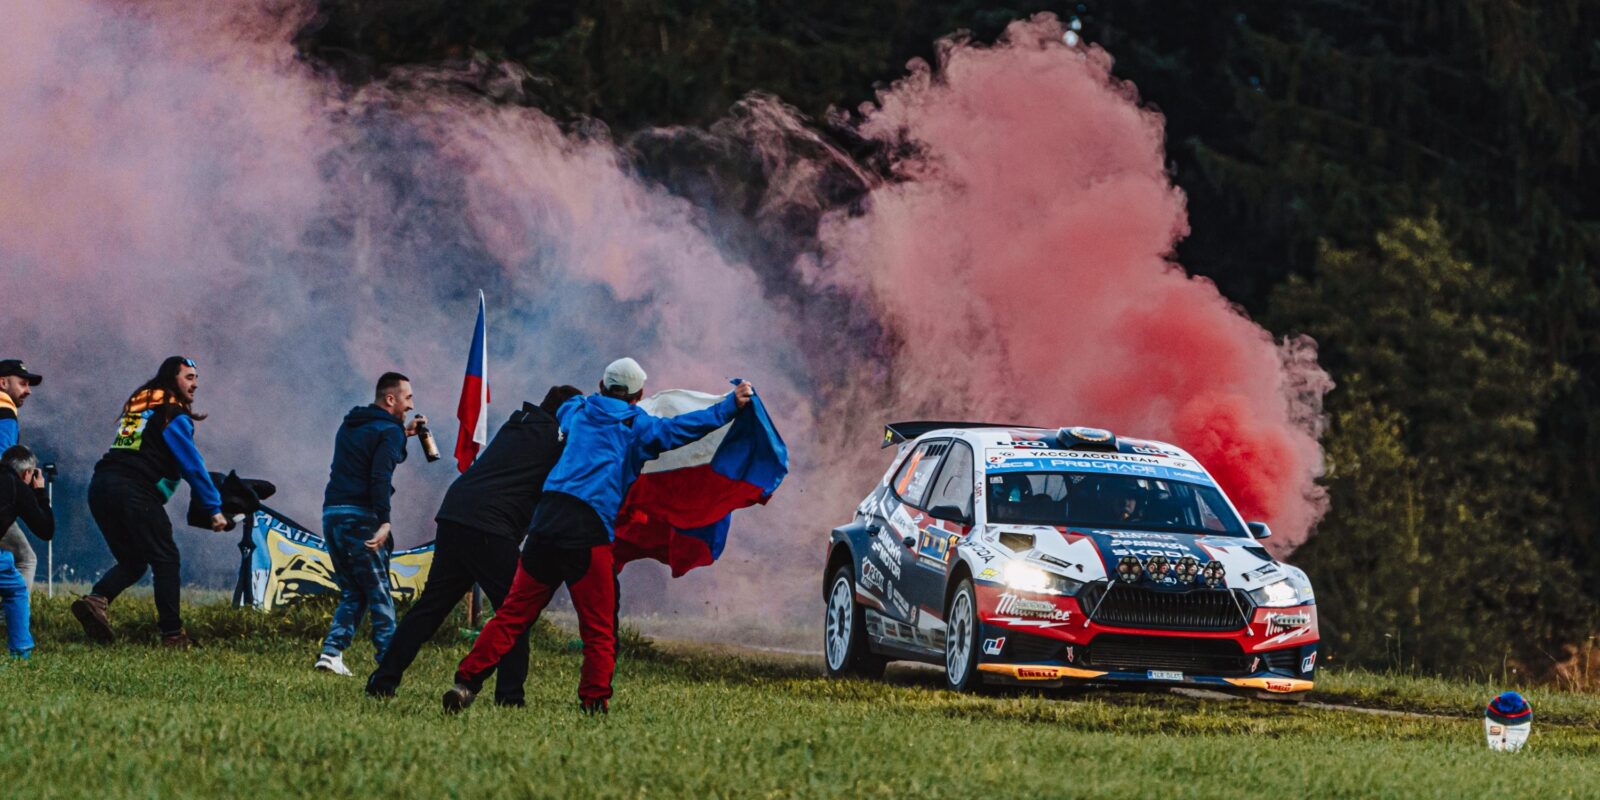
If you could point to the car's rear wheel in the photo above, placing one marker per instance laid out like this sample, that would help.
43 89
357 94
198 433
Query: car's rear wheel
844 631
961 639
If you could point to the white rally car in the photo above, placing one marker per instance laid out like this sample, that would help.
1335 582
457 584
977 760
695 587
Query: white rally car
1055 556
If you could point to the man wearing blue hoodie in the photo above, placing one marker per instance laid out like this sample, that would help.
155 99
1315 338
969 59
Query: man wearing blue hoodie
355 516
608 440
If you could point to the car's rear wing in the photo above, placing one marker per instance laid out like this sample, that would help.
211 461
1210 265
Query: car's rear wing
896 432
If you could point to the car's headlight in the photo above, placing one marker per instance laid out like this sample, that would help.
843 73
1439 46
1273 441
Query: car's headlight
1289 591
1029 578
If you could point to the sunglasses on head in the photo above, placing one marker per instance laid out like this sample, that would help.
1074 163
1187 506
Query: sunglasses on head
188 362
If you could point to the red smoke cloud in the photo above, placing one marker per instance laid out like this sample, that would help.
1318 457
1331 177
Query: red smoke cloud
174 179
1024 262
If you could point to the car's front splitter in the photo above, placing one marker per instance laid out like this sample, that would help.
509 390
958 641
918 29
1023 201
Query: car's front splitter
1026 673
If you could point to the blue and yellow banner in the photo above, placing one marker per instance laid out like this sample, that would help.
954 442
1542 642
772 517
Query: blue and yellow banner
285 563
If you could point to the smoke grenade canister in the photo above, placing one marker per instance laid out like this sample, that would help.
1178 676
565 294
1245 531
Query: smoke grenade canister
430 448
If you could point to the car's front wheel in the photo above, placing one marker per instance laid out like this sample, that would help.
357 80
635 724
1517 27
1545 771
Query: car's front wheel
961 639
844 631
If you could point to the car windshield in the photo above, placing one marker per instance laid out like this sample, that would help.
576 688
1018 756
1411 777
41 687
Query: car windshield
1096 500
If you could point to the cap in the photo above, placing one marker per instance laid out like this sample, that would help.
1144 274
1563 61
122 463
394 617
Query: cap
13 366
625 373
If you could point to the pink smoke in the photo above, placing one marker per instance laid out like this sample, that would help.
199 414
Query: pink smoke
176 180
1024 261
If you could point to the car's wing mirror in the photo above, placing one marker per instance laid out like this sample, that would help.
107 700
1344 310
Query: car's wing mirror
950 514
1259 530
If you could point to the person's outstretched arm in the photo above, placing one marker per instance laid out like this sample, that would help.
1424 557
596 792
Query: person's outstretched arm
179 436
668 433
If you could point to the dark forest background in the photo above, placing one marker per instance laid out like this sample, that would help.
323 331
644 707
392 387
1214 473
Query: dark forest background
1411 182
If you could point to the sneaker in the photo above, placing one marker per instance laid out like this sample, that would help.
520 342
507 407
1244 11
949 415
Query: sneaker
91 613
333 663
178 641
592 707
459 697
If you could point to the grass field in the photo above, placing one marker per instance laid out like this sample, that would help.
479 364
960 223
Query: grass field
246 716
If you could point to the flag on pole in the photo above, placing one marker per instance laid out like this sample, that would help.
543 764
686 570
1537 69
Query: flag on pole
679 510
473 409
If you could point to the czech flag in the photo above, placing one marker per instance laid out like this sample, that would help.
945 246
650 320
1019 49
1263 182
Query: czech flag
678 511
473 409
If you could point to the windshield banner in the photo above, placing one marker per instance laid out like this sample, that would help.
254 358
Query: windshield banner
1144 467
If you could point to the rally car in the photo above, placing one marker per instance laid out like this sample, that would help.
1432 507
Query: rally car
1061 556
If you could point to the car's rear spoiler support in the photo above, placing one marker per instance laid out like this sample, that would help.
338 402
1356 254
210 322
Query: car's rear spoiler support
897 432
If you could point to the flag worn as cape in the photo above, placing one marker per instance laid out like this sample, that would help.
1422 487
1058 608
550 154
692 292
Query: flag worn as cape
678 510
473 408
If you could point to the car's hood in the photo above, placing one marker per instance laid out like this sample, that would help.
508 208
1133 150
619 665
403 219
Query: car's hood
1092 554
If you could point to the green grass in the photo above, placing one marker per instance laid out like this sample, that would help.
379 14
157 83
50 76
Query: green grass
245 715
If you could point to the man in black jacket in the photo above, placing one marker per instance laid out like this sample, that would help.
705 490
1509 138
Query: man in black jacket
481 522
22 497
355 516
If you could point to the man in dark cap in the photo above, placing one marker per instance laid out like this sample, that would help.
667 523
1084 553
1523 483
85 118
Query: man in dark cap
16 384
482 520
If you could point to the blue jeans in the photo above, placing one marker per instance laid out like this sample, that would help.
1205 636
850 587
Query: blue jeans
14 603
362 576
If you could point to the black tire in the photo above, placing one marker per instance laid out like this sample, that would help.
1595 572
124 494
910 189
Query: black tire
845 653
961 654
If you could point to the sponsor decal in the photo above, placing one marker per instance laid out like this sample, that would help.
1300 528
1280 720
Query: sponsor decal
871 578
1037 673
886 551
1156 451
1012 605
992 647
900 604
1049 559
1027 444
1279 686
1164 675
1070 654
1262 573
937 545
979 551
988 574
1308 662
1496 730
1282 623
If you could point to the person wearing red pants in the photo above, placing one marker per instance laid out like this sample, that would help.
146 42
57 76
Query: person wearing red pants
608 440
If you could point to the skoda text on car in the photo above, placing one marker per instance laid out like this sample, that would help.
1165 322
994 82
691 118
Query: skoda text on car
1051 557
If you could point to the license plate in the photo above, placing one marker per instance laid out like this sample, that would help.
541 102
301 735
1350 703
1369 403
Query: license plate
1165 675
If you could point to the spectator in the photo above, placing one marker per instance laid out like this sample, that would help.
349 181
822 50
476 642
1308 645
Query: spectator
22 497
355 516
16 384
153 448
608 440
482 520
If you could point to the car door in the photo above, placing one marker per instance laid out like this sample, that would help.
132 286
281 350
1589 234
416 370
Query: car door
928 564
908 487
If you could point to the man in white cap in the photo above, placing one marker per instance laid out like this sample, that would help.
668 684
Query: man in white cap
608 440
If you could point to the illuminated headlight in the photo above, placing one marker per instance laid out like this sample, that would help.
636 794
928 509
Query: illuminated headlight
1283 593
1028 578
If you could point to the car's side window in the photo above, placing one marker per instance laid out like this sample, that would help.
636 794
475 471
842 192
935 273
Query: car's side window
954 485
911 482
